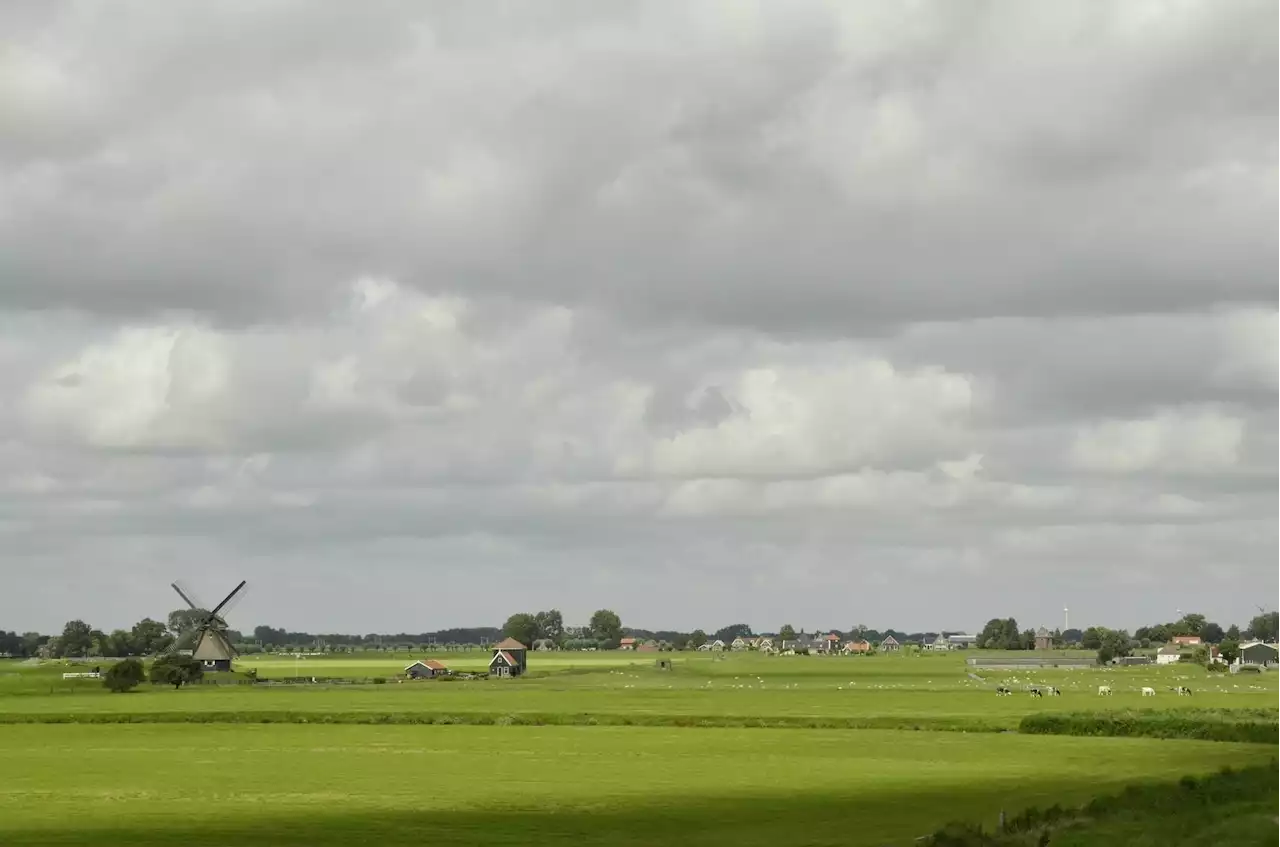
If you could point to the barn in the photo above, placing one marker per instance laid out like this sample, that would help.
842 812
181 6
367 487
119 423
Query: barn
426 669
1257 653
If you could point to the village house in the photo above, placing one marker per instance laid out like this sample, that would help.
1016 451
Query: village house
627 643
889 644
717 644
858 647
509 658
426 669
739 643
829 643
1168 655
764 644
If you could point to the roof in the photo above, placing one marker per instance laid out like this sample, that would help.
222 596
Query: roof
889 638
429 663
505 656
1186 639
509 644
833 637
627 640
1041 632
1169 651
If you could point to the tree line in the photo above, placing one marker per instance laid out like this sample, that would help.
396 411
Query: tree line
604 631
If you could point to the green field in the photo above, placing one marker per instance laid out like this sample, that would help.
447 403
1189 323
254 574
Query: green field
673 782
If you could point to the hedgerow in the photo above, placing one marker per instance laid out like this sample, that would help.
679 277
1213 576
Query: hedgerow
1244 725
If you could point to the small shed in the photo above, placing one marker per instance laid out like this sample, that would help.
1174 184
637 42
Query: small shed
426 669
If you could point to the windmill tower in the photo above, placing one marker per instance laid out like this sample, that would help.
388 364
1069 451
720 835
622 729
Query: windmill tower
212 650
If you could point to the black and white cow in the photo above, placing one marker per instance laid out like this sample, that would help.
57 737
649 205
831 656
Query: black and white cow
1053 692
1001 691
1036 692
1181 691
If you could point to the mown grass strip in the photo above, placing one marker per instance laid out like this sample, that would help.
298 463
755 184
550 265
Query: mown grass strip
519 719
1245 725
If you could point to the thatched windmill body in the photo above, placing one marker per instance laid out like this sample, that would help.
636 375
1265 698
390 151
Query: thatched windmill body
212 649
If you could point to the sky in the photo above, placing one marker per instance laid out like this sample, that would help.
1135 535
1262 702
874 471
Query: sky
419 315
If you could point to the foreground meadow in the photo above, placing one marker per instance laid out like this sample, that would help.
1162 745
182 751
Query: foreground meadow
312 785
699 764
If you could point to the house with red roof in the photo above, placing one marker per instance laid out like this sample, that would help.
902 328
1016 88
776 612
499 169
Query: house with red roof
858 646
627 643
426 669
508 658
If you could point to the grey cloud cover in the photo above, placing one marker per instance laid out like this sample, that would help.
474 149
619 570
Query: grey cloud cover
820 313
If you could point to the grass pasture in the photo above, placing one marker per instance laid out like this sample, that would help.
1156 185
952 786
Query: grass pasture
672 778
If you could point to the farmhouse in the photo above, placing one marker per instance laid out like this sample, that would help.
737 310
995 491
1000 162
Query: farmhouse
627 644
508 658
764 644
1257 653
939 643
827 643
717 644
889 644
1044 641
739 643
860 646
1168 655
426 669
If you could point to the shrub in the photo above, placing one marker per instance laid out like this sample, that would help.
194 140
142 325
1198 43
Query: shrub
378 680
176 670
1256 726
124 676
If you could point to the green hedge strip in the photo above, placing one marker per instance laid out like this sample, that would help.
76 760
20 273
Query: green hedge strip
1251 725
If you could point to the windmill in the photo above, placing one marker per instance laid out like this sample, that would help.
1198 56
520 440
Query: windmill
212 650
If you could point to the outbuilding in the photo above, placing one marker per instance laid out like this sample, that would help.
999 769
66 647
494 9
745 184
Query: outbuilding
1258 653
426 669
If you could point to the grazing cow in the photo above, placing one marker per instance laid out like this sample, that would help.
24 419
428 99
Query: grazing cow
1036 692
1001 691
1148 692
1104 690
1053 692
1181 691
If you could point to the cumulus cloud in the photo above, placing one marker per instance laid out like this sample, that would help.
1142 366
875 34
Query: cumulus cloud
905 315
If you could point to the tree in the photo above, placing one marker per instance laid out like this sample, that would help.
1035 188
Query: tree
1072 636
1233 633
1263 627
523 627
1092 637
185 623
176 670
697 638
149 637
1114 644
737 630
1200 655
1191 624
76 639
118 643
1212 633
787 633
606 626
124 676
1000 634
1229 650
550 625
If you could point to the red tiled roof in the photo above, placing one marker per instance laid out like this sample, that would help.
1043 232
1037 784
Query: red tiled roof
436 665
833 637
506 657
627 641
509 644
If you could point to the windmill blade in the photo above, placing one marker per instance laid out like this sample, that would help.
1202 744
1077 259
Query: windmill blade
183 595
227 599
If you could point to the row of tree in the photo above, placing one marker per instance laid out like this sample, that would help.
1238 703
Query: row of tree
605 630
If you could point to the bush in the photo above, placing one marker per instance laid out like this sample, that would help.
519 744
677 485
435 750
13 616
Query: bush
1255 726
124 676
176 670
378 680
